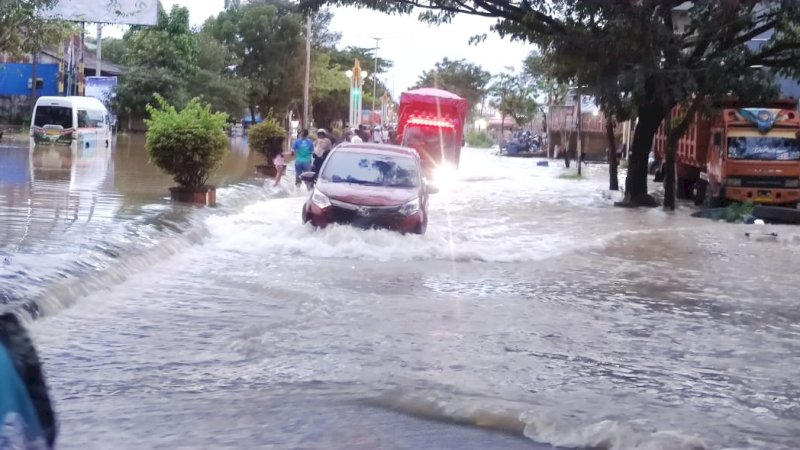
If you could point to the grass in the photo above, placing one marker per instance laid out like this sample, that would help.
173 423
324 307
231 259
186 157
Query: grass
570 176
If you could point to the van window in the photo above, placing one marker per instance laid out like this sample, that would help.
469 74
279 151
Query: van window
90 119
53 115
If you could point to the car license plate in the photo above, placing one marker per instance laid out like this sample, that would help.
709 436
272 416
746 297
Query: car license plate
764 196
53 132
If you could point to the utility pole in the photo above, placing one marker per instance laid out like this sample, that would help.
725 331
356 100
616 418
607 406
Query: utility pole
375 75
307 84
580 137
99 69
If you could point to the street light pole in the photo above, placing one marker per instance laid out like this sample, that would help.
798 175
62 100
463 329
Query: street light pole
307 84
375 75
580 138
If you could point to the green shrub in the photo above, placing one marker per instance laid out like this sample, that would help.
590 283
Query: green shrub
266 137
479 139
736 212
187 144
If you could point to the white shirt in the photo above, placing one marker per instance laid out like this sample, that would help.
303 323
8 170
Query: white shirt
356 140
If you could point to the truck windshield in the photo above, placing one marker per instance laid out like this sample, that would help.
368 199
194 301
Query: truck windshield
372 170
53 115
763 148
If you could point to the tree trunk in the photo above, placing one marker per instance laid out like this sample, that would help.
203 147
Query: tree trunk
613 164
670 148
253 114
636 181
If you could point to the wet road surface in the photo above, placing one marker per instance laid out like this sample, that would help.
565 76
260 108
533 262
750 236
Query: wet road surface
531 307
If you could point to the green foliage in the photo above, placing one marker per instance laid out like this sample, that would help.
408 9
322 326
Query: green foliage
22 30
467 80
266 39
159 60
187 144
570 176
114 51
479 139
262 136
515 96
737 212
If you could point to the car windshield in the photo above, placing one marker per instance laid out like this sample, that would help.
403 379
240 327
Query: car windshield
53 115
763 148
372 169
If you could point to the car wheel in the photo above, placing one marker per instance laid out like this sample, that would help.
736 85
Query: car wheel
422 227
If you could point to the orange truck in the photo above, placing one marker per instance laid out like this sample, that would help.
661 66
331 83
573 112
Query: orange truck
741 154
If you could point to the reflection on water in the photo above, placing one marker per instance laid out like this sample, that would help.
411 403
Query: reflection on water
59 203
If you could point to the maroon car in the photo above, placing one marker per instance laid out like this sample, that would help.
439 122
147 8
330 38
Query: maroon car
370 186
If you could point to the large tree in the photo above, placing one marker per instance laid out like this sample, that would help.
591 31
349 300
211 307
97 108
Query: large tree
514 95
460 77
158 60
22 29
659 53
266 37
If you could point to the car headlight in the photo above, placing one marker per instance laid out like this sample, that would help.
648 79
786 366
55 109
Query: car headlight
792 183
734 182
411 207
320 199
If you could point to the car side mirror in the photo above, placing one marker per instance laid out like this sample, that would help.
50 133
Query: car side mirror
308 176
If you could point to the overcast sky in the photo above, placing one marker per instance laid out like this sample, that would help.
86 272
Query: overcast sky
413 46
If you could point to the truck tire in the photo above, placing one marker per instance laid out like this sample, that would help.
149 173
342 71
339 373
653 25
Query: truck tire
712 201
700 189
683 188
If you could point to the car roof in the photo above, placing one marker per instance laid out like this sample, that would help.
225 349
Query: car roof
378 149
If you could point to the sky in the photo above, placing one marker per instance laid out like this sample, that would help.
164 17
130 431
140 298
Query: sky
413 46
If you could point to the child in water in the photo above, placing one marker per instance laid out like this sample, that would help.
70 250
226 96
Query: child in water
280 167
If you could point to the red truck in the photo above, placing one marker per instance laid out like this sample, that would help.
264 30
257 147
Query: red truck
743 153
431 121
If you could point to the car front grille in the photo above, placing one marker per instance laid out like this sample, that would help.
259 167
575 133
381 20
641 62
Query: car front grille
365 216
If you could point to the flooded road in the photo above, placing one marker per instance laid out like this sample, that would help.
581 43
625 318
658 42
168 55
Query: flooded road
532 311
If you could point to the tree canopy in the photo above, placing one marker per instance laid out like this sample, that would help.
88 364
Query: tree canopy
641 57
465 79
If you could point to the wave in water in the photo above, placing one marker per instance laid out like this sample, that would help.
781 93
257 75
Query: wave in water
536 425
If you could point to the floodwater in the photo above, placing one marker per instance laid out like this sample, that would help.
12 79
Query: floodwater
533 314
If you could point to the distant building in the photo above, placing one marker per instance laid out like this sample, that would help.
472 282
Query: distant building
16 79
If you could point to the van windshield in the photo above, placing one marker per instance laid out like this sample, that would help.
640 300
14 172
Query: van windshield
53 115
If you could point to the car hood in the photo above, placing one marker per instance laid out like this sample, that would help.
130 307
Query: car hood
357 194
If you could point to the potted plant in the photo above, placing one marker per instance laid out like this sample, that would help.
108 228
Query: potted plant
267 138
187 144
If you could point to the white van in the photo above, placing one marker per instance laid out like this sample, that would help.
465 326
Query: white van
65 120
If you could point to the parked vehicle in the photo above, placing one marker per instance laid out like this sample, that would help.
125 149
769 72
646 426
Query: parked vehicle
369 186
64 120
743 153
431 121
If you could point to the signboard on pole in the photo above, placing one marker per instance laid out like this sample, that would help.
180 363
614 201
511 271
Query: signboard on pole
101 88
126 12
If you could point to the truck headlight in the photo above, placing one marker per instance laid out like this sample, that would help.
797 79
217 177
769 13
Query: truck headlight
410 208
320 199
792 183
733 182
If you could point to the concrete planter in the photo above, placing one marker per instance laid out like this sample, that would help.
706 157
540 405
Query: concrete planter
204 195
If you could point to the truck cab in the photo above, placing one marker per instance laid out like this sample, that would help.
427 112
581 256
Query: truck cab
754 156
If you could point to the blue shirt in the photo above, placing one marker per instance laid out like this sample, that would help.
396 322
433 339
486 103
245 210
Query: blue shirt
19 423
303 149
